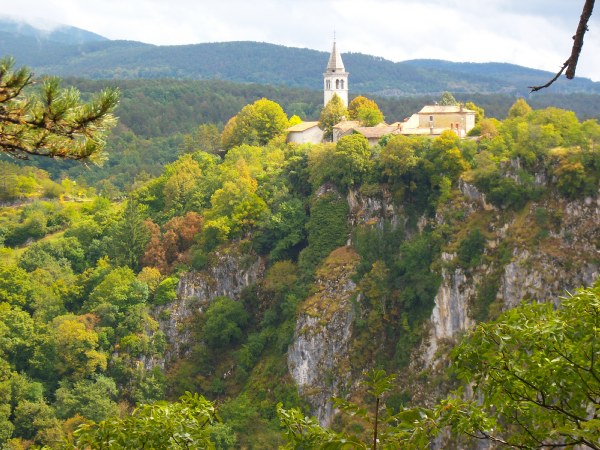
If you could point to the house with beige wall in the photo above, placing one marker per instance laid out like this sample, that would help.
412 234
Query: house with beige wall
434 119
305 132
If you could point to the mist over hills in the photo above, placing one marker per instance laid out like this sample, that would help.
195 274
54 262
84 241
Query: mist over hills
70 51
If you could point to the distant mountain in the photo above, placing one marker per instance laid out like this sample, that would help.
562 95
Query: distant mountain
62 34
73 52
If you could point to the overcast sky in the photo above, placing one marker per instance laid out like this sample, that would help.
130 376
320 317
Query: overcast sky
532 33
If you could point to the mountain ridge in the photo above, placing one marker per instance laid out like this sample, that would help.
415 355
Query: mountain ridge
89 55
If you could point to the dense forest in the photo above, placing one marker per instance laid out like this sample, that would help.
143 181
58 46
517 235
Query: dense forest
100 343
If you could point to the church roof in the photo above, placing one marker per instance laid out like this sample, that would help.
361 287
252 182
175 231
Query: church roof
335 63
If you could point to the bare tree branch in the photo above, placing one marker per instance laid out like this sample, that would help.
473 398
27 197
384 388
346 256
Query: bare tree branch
571 64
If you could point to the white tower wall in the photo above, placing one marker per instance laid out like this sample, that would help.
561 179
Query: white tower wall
335 78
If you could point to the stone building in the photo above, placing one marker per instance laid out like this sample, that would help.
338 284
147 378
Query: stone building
305 132
433 119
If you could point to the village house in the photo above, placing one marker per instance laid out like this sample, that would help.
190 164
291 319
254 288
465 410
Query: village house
305 132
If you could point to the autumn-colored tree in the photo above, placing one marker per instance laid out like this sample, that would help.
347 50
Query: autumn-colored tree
75 345
366 111
154 254
185 228
170 246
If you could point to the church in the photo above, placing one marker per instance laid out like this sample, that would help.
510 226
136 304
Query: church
431 120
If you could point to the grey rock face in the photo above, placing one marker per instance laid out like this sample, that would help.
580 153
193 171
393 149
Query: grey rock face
229 272
318 358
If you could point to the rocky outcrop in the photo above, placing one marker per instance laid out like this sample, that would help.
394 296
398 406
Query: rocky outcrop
472 193
564 258
451 311
318 357
373 209
229 271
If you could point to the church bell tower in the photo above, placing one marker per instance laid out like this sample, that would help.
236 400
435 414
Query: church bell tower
335 78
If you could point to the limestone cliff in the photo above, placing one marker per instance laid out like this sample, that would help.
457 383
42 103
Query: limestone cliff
547 257
318 359
228 272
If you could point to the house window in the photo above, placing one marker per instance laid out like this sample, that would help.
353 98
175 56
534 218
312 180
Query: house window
431 118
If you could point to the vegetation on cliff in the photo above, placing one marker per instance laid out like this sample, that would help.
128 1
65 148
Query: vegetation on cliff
88 280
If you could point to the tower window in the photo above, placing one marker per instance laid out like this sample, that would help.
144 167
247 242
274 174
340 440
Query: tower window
342 84
337 84
328 84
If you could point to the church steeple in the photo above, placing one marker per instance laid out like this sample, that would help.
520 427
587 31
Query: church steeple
335 78
335 63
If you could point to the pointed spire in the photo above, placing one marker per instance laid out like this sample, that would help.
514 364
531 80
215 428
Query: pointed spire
335 63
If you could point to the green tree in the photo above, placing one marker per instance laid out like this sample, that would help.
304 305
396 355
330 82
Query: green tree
70 348
129 236
15 285
36 421
346 164
533 374
17 329
182 180
225 319
352 160
166 291
447 99
446 157
398 157
181 425
520 108
53 123
93 399
206 137
333 112
114 298
255 124
366 111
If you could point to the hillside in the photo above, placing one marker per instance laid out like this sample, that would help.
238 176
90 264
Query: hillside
73 52
279 273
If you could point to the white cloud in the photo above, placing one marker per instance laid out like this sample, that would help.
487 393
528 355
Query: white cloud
534 33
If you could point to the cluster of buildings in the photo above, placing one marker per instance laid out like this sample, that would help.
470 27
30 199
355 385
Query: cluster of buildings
432 120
